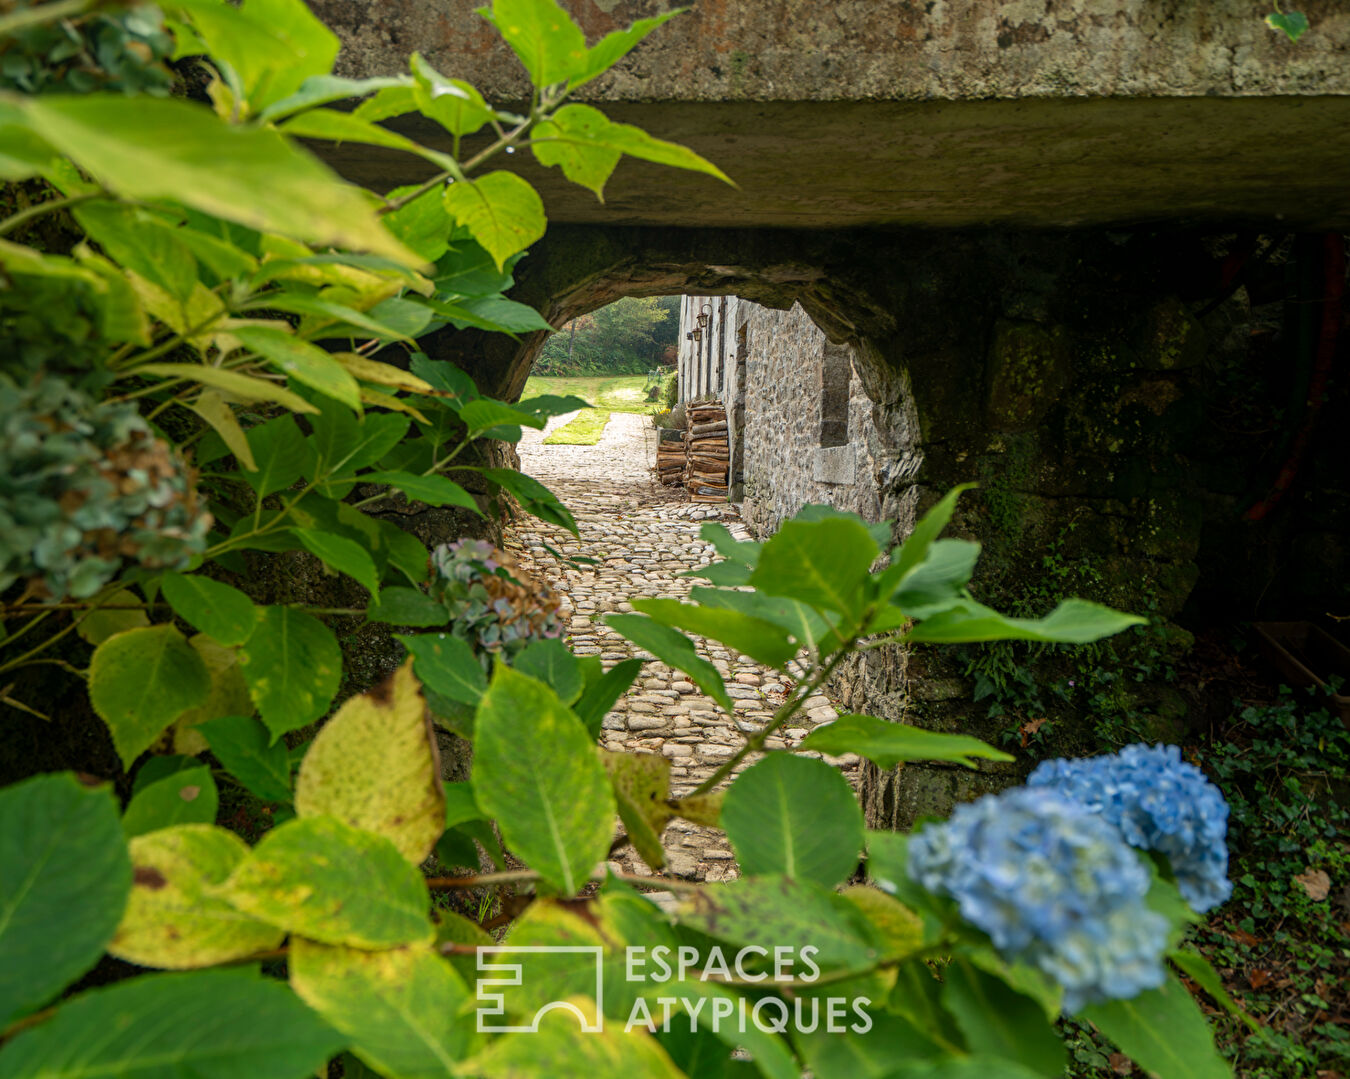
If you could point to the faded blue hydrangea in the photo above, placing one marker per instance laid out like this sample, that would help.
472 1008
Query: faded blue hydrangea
1160 803
1054 887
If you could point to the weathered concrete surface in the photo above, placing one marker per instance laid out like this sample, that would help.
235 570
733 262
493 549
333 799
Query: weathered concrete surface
883 50
954 113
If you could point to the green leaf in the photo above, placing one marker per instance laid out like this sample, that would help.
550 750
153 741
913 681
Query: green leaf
767 1050
321 879
403 550
779 912
452 103
375 766
674 649
495 314
551 663
544 37
806 626
1196 967
533 496
888 868
272 46
821 563
887 744
207 1023
211 407
433 490
998 1021
587 145
388 102
400 1009
216 609
64 880
174 920
468 270
1074 621
599 697
615 45
795 816
937 582
280 452
892 1039
187 797
342 444
140 681
407 607
103 622
446 665
325 313
243 746
343 555
500 210
484 414
422 224
536 773
728 546
293 667
756 638
1293 24
303 362
321 89
1163 1031
915 548
140 241
171 149
333 126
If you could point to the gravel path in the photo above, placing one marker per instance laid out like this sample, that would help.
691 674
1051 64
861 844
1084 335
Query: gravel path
642 536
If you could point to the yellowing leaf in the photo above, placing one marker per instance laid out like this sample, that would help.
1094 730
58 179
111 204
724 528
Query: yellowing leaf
382 374
228 696
704 809
211 407
400 1008
898 926
107 620
500 210
641 786
375 766
244 387
173 919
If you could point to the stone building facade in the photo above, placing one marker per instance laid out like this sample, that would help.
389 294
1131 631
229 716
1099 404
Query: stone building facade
799 420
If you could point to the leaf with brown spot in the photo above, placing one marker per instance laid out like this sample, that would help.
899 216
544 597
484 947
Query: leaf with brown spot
641 786
375 766
173 919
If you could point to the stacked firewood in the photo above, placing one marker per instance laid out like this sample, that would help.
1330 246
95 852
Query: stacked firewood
671 457
705 475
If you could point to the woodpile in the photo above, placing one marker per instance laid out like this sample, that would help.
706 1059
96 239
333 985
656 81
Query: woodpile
671 457
708 453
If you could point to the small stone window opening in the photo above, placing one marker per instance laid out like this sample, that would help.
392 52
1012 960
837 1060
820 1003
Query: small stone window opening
836 372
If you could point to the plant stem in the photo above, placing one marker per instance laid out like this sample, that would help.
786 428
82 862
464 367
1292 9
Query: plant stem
12 222
756 741
43 13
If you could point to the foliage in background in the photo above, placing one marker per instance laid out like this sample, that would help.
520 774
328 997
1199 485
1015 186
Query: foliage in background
628 336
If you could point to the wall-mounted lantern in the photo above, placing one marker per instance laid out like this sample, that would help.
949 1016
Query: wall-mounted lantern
704 314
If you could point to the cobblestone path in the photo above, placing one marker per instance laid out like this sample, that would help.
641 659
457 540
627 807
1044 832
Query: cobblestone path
642 536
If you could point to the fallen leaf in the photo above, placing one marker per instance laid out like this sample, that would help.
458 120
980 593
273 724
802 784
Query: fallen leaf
1257 978
1316 883
1029 728
1120 1063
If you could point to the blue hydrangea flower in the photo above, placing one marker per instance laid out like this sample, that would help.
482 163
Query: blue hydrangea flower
1160 803
1054 887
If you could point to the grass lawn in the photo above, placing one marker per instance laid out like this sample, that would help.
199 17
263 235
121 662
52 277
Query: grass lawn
612 393
584 429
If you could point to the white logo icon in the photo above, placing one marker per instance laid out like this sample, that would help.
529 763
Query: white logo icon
492 1006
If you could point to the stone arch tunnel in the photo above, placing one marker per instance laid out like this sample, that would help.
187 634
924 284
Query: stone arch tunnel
1088 253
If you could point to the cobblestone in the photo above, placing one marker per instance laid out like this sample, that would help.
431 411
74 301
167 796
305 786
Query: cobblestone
642 537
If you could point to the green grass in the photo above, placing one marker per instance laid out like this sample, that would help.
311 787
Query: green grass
585 429
612 393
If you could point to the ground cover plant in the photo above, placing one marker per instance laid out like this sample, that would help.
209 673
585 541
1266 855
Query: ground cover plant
173 268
